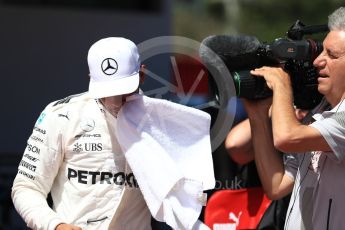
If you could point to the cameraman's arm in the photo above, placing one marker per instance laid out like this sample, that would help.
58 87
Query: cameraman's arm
238 143
289 134
268 160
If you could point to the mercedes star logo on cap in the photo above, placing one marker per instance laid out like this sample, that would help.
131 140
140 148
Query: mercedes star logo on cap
109 66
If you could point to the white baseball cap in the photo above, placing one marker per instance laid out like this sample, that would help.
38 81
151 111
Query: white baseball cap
114 67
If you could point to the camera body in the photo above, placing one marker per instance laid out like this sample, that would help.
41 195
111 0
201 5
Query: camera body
294 54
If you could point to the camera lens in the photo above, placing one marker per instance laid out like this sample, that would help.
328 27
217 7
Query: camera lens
250 87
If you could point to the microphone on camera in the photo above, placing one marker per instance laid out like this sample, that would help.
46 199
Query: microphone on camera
241 53
238 52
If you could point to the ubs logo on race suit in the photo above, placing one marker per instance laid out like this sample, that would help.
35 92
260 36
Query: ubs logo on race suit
99 177
88 147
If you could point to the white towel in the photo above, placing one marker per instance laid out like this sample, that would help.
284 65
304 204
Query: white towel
167 146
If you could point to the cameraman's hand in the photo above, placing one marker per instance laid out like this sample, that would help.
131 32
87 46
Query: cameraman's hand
275 77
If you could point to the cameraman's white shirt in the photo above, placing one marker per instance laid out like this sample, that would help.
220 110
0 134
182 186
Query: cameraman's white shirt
318 200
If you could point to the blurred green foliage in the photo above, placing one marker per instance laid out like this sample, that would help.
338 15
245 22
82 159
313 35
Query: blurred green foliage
265 19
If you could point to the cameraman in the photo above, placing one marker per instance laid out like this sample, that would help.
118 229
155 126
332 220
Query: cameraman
316 173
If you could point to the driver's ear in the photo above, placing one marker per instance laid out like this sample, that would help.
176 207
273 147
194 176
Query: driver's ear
142 73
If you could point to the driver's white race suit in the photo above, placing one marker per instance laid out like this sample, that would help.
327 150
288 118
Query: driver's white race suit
73 153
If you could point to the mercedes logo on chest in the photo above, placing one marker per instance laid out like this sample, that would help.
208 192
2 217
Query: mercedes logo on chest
109 66
87 124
